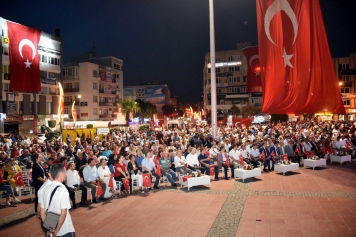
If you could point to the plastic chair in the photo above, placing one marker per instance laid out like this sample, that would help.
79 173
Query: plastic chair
134 181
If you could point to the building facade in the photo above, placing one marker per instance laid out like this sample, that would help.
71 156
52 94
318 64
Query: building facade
345 69
25 112
231 80
96 86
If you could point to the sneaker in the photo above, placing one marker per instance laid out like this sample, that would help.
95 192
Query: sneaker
16 201
141 191
8 204
155 187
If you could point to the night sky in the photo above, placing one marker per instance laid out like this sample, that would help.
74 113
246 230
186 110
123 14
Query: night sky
164 40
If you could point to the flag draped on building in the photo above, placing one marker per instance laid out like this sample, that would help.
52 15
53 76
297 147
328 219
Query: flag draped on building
253 69
297 73
24 59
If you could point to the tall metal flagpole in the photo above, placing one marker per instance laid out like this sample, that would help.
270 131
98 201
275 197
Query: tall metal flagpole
213 72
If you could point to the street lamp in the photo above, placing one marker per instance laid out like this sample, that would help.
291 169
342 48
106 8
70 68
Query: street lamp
213 72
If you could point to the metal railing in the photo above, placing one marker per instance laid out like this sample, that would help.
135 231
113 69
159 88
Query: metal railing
71 89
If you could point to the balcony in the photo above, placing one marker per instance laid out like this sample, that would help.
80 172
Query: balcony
222 84
107 104
71 89
67 103
107 92
102 116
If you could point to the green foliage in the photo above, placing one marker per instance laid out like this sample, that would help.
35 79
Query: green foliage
89 125
129 106
279 117
147 110
250 110
168 109
235 110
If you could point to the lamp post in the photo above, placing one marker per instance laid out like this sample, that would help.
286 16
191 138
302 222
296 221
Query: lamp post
213 72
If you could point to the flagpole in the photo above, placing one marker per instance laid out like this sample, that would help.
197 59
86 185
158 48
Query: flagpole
213 72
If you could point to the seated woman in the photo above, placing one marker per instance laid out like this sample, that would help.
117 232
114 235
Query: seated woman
135 171
5 186
120 171
180 163
105 174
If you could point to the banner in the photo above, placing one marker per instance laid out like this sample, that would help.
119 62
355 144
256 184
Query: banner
24 60
155 95
296 65
253 69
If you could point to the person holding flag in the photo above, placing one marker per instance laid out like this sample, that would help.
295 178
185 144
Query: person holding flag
121 171
265 152
91 176
148 167
224 161
4 186
298 150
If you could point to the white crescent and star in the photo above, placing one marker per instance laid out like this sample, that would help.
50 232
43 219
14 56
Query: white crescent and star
32 46
273 9
256 56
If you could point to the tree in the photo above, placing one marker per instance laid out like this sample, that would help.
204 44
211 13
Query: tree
168 109
250 110
147 110
129 106
279 117
235 110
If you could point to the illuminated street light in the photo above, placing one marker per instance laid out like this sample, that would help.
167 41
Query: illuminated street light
213 72
340 83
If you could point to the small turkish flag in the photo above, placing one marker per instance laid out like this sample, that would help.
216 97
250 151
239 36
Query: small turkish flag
227 162
126 183
111 182
24 59
273 156
212 170
146 180
99 190
285 157
18 179
297 151
263 156
185 178
241 160
158 170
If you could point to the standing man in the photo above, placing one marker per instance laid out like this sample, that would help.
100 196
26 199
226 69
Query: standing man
60 203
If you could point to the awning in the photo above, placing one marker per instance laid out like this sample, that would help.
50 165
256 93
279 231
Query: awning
236 96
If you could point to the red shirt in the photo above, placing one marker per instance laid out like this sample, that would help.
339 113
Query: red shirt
123 168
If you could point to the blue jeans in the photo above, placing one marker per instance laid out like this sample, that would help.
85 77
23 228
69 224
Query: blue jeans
171 176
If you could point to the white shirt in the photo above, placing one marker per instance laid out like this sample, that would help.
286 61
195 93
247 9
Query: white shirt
255 153
72 178
59 201
178 160
148 164
192 160
103 172
244 153
213 152
41 190
90 173
234 154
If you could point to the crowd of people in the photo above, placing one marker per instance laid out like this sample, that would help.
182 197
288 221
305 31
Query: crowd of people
127 155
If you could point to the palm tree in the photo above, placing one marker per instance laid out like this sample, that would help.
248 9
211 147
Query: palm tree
147 110
128 106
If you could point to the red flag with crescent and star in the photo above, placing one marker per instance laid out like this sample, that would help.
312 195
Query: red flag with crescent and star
227 162
99 190
126 183
253 69
212 170
146 180
111 182
24 59
18 179
296 64
158 170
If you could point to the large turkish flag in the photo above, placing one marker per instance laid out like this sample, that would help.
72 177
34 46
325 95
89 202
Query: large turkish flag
296 67
253 69
24 60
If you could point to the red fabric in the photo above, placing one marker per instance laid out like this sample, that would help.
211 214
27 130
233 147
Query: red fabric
158 170
146 180
116 172
273 156
111 182
296 65
297 151
312 153
1 177
263 156
185 178
284 157
212 170
18 179
253 69
15 154
23 48
126 183
227 162
99 190
241 160
348 146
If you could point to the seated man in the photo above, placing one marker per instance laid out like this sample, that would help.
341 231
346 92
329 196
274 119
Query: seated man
193 162
25 157
166 169
180 163
204 160
148 167
73 183
255 155
91 177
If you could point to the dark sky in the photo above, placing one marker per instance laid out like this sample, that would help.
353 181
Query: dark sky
164 40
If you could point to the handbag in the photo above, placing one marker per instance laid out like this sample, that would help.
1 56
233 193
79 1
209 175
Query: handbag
51 219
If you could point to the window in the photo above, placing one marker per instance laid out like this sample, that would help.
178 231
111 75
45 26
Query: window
43 58
217 69
76 85
209 70
66 110
43 74
217 59
116 66
54 75
95 98
6 86
218 80
345 90
244 79
346 78
222 102
95 86
346 102
5 50
95 111
95 73
209 81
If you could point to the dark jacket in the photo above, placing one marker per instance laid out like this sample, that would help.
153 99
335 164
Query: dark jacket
37 171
